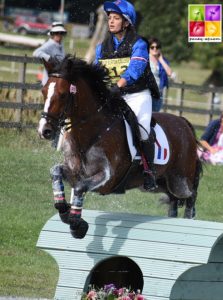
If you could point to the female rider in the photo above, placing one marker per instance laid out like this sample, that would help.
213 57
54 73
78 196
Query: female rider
125 54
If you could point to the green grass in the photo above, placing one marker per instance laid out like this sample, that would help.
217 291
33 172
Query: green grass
26 204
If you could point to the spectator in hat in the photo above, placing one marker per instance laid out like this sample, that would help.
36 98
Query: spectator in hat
53 49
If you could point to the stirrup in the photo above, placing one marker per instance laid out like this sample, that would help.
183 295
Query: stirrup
149 181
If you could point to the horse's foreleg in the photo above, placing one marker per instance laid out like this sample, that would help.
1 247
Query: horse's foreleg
78 226
60 203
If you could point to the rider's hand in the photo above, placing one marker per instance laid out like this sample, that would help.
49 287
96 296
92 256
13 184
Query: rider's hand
115 90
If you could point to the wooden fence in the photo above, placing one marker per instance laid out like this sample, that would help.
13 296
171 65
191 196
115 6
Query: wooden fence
179 105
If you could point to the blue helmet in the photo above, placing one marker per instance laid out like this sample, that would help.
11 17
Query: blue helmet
125 8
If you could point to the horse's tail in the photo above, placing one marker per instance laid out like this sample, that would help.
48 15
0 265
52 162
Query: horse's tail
193 131
199 165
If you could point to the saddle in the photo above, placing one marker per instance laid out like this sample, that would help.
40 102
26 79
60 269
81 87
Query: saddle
162 152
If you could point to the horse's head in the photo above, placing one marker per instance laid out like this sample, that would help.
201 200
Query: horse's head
61 100
58 94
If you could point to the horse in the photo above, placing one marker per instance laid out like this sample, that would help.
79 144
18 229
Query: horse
95 148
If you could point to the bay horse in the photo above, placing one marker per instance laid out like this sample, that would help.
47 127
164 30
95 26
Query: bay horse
95 148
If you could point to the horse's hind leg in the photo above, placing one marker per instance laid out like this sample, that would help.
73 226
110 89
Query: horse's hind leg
190 211
172 202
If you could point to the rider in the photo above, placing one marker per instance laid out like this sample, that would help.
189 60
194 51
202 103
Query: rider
124 50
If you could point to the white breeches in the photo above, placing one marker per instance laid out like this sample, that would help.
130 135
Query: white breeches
141 104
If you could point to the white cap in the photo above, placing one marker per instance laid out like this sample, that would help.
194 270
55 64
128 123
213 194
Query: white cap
57 27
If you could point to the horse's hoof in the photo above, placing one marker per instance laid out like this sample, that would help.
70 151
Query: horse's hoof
64 211
189 213
79 229
65 217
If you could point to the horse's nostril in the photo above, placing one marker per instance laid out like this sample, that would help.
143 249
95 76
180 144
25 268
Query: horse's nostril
48 134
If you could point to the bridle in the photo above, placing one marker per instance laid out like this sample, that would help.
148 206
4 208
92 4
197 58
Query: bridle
61 121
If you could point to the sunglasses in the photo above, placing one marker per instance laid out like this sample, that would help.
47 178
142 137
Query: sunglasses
155 47
59 32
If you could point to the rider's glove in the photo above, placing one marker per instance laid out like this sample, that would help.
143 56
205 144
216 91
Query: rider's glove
115 90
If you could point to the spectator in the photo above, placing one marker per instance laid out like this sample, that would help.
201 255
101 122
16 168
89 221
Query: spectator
53 49
161 70
212 142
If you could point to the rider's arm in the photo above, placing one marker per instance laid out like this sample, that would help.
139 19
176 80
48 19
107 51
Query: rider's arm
97 54
138 62
165 65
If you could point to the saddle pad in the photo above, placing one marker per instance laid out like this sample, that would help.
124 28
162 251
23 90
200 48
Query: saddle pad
162 151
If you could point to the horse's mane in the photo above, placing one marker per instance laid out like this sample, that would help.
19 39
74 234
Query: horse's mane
73 68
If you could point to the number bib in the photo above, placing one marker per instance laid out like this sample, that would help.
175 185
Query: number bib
116 67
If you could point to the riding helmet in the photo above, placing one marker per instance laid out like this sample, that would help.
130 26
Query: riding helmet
125 8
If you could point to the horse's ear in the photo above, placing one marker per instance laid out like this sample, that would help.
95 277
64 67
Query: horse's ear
49 65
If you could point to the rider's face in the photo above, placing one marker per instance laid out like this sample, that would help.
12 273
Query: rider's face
115 22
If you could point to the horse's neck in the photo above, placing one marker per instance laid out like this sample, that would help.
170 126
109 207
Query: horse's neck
86 103
89 118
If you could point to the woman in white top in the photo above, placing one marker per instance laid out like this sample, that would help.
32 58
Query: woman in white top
53 49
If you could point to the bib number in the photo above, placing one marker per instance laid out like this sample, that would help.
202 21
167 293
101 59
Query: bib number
116 67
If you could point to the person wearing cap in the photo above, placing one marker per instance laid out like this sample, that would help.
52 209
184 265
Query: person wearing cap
53 49
125 55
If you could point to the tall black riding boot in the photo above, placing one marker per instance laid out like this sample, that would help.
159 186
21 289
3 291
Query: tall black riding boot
148 148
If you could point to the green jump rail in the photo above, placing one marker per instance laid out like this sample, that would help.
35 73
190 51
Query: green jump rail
179 259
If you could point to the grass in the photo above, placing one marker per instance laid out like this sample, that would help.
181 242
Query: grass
26 204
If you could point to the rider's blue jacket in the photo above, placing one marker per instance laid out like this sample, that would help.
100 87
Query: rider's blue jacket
138 60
